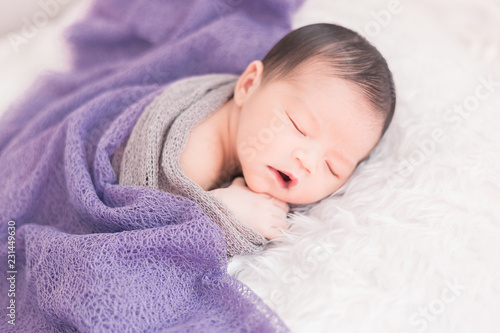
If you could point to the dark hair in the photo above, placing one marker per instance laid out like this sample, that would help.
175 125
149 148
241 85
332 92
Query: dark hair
347 54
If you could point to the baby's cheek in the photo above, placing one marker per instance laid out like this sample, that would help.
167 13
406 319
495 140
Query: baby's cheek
316 190
256 184
281 143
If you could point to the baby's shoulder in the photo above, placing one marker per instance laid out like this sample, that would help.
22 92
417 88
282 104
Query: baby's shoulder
201 158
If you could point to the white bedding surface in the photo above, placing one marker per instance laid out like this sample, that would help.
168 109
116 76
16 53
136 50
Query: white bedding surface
30 44
412 244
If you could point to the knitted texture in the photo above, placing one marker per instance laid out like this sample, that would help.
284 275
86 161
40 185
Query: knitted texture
152 153
92 255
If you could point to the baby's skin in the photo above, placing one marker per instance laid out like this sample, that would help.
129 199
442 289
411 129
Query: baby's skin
260 211
295 141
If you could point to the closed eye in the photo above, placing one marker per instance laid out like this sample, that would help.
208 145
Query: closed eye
295 125
331 170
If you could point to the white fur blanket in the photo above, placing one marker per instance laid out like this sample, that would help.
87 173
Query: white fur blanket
412 242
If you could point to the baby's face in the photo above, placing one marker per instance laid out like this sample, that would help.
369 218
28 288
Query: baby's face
300 140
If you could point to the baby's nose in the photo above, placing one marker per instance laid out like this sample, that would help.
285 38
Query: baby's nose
307 159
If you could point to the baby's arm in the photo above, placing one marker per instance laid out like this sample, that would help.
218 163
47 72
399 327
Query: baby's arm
260 211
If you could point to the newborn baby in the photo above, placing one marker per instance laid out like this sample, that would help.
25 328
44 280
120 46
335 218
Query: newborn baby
296 127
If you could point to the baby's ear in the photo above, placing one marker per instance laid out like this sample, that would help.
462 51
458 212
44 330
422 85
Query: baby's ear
248 82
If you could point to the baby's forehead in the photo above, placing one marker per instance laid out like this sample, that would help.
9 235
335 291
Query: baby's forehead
324 100
310 87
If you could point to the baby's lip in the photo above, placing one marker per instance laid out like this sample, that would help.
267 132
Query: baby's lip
285 184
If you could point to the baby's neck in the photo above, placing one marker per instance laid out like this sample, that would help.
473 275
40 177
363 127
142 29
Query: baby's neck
224 122
230 114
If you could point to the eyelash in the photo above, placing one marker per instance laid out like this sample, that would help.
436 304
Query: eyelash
328 166
296 127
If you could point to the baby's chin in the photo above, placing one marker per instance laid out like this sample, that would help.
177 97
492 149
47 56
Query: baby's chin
296 200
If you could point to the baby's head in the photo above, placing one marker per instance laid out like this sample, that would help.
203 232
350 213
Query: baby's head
311 111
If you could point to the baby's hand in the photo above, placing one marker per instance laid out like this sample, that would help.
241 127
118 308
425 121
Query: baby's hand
260 211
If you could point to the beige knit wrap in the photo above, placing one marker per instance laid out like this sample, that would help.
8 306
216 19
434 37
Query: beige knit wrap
151 156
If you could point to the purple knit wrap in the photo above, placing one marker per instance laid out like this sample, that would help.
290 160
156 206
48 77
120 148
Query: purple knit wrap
94 256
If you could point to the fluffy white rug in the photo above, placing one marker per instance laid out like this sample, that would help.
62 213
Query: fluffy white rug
411 244
31 41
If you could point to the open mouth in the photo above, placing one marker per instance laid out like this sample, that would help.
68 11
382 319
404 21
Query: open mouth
285 177
285 180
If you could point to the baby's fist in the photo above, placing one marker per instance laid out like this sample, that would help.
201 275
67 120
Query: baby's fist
260 211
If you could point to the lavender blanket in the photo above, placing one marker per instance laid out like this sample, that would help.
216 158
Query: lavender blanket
81 253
